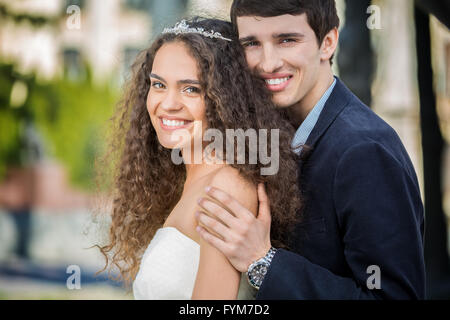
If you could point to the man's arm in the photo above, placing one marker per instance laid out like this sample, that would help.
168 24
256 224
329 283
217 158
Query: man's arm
381 217
380 213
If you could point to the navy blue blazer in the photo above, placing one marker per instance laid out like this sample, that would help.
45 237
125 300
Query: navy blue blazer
362 208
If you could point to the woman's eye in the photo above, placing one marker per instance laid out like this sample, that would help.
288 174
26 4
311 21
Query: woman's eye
192 90
157 85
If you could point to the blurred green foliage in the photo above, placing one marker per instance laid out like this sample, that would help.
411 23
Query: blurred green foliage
71 117
17 17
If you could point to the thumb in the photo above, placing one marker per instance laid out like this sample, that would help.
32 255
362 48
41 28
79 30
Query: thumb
264 204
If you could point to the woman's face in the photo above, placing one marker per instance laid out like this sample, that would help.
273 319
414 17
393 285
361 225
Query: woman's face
175 101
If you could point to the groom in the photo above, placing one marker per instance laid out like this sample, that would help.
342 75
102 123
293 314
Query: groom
361 235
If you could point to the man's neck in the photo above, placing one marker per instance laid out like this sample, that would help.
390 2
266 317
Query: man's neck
300 111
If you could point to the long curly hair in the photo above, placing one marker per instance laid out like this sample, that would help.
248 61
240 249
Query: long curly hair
147 184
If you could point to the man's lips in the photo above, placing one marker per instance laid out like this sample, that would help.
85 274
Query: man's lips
277 82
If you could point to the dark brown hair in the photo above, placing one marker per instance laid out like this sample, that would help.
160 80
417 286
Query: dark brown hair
147 184
321 14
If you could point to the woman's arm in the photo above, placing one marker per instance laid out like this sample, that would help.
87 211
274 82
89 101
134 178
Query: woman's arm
216 276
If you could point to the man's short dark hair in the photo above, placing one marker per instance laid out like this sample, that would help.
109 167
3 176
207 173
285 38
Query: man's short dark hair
321 14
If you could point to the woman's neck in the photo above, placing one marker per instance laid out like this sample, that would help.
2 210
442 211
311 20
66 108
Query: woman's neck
195 171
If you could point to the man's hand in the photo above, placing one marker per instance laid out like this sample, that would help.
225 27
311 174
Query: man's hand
245 238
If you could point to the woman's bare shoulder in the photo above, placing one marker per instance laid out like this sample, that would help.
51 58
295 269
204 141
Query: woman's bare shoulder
229 180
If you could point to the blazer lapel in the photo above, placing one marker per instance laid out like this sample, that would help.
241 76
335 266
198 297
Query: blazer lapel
337 101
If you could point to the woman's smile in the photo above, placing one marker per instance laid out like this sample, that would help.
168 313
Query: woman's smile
172 123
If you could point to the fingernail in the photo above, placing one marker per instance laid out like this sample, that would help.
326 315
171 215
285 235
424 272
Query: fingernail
199 200
197 214
198 229
208 188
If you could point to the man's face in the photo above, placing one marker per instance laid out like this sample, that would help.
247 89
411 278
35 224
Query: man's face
284 51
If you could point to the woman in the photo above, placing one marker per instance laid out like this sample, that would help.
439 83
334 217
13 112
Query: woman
194 77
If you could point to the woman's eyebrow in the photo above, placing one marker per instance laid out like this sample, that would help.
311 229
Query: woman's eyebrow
189 81
154 75
186 81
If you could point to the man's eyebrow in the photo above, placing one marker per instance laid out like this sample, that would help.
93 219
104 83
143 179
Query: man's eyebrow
246 39
289 35
276 36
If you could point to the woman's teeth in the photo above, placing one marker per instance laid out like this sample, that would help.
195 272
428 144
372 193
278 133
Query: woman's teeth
277 81
173 123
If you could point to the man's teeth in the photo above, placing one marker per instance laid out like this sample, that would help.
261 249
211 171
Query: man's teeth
173 123
276 81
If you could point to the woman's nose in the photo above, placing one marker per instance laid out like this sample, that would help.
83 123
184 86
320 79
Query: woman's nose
171 102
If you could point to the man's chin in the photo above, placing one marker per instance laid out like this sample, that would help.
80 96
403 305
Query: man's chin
283 102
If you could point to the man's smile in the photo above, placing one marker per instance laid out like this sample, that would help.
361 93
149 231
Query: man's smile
277 82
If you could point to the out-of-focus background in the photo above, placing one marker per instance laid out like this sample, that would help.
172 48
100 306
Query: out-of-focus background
62 65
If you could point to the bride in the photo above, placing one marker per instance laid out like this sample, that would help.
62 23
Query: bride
193 77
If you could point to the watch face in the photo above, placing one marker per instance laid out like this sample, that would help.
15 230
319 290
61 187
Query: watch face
257 273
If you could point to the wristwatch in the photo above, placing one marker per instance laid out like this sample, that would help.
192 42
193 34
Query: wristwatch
258 269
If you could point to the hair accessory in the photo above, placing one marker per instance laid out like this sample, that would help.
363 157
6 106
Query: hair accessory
183 27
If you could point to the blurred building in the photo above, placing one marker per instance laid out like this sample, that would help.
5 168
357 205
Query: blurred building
395 95
105 34
440 41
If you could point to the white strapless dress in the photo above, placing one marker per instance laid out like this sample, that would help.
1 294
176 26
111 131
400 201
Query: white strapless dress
169 268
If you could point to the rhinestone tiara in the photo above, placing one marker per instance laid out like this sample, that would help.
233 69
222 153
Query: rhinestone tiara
183 27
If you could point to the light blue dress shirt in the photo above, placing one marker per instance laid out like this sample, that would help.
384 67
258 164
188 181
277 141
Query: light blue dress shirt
309 123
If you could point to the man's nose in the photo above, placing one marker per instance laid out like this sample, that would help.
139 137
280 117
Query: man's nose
270 60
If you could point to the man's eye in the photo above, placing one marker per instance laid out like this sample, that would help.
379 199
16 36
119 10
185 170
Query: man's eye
250 44
287 40
157 85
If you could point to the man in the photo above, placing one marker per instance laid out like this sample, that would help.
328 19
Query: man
361 235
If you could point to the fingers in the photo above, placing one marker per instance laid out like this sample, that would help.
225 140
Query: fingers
212 225
229 202
211 239
264 204
217 211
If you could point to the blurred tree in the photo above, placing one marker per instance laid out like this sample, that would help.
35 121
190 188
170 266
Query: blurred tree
35 20
16 132
69 115
72 116
15 112
436 234
355 57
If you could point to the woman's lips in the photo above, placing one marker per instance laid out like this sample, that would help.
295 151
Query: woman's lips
172 124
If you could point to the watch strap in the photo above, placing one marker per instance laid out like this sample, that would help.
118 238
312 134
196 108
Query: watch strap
266 260
270 254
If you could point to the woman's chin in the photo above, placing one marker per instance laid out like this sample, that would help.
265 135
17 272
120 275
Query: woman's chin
172 145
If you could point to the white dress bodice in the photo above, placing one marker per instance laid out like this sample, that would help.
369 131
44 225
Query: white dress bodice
169 268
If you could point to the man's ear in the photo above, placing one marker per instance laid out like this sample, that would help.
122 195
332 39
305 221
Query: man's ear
329 44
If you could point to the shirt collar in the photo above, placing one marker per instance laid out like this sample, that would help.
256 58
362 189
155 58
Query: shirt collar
310 121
